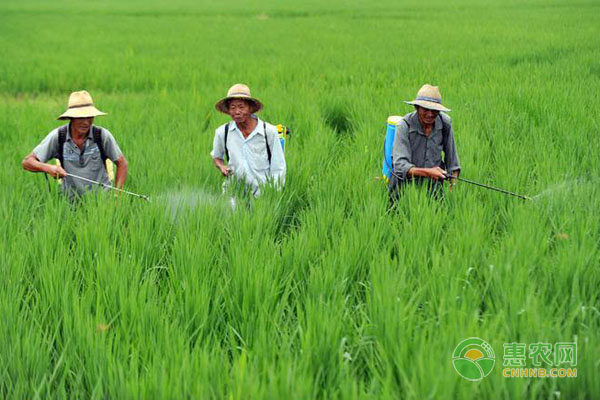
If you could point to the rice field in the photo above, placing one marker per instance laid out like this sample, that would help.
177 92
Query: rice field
318 291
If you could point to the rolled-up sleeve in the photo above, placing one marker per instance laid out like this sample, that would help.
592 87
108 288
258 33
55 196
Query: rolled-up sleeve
48 148
278 166
450 153
401 153
218 150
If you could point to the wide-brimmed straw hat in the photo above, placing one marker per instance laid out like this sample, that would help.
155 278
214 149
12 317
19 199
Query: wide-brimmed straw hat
81 105
239 91
429 97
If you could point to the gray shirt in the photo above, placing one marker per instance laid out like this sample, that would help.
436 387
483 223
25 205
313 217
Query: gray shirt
86 163
412 148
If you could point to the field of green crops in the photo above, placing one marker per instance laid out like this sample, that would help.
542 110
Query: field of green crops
317 291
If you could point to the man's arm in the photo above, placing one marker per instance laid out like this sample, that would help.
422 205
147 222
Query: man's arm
218 152
114 153
33 164
450 153
401 154
122 168
220 164
46 150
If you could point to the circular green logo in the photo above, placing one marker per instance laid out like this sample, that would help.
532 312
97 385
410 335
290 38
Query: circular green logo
473 359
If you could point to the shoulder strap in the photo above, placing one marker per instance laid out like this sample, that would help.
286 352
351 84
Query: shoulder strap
97 132
445 130
62 138
225 142
267 143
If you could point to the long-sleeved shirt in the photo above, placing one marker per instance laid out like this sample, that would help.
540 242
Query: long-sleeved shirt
412 148
248 157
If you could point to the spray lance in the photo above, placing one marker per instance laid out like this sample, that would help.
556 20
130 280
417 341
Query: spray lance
141 196
521 196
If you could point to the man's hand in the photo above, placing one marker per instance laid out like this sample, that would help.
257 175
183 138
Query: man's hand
225 171
33 164
56 171
436 173
451 183
452 179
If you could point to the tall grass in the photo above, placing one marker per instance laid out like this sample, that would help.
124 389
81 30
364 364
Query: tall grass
318 291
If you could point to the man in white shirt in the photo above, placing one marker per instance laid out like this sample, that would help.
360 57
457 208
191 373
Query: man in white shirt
247 148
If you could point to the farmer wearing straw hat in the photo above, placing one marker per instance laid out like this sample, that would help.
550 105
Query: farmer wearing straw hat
420 139
247 148
80 147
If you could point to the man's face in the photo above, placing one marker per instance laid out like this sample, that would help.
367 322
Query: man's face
81 126
239 110
426 116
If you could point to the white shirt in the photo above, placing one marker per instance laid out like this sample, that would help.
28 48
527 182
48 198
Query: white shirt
248 157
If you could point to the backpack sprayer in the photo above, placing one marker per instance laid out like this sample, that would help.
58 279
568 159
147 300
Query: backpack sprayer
387 169
283 132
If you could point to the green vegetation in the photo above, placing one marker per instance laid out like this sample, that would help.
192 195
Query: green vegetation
315 292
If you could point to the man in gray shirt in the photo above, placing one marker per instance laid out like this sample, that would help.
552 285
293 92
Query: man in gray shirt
81 148
420 139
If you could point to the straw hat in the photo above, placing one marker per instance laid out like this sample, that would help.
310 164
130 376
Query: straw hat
429 97
81 105
239 91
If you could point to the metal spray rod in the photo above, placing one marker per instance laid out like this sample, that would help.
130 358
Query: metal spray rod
521 196
141 196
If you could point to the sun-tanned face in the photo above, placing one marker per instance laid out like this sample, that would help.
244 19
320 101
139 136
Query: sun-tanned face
426 116
240 110
81 126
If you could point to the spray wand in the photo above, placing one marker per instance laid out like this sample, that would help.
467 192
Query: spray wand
521 196
141 196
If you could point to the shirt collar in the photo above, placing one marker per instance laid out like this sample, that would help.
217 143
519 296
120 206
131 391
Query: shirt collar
260 127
